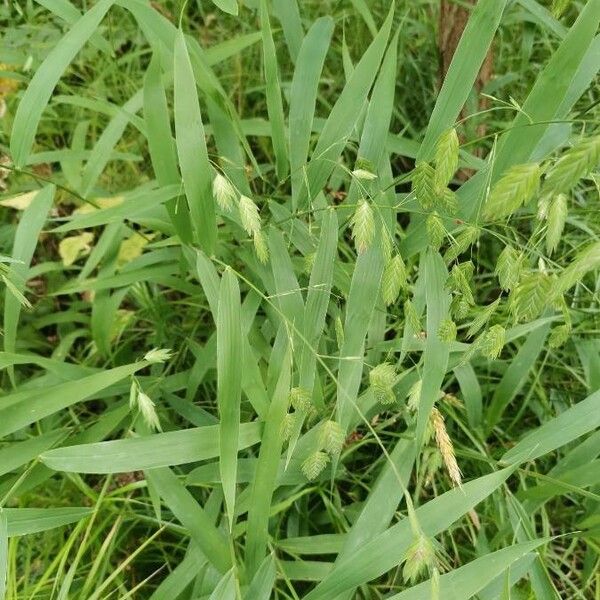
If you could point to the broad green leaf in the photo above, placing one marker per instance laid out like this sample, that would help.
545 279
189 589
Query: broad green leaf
161 146
437 352
26 238
226 588
263 582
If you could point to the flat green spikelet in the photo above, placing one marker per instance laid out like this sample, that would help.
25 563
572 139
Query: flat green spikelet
519 185
249 215
532 294
423 185
394 280
363 226
509 268
557 217
446 159
573 165
332 437
314 464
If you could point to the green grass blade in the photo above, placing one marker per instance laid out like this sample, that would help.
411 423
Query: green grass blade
437 352
229 357
549 91
226 588
263 582
387 550
25 521
26 239
196 170
39 91
161 146
192 516
3 553
458 83
228 6
303 96
463 583
566 427
148 452
23 408
516 375
266 472
273 93
345 113
288 14
364 291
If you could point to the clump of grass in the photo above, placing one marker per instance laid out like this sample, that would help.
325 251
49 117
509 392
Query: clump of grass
376 367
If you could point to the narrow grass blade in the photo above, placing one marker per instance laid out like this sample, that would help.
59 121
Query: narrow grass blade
288 14
25 521
226 588
263 582
3 553
26 239
228 6
196 170
161 146
566 427
266 471
364 291
180 577
458 83
463 583
16 455
38 93
345 113
303 96
147 452
437 352
516 375
23 408
273 92
229 357
388 549
192 516
548 92
103 149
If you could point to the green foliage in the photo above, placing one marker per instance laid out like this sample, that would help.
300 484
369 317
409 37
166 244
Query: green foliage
216 286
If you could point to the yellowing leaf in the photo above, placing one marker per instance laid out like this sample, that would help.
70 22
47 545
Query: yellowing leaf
132 247
72 248
19 202
99 204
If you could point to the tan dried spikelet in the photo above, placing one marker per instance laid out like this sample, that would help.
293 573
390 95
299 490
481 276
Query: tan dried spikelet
445 446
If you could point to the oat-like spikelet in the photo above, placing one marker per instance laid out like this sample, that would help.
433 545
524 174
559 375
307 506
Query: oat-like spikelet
444 443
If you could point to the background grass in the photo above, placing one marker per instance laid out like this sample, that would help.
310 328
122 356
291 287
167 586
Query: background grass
107 204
